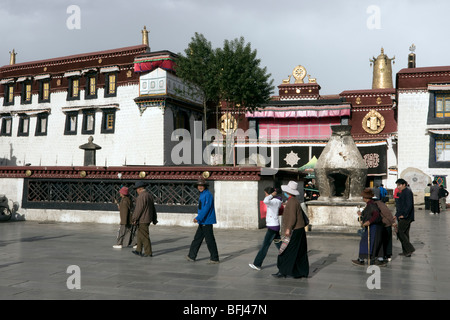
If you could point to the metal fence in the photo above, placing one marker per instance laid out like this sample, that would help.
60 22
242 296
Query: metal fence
81 194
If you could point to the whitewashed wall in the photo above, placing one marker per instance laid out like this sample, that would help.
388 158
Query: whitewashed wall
134 141
236 204
413 142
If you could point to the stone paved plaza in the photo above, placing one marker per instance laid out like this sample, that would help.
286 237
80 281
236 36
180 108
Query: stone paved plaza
35 257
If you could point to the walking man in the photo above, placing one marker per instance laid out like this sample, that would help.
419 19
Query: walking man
434 198
144 213
205 218
404 216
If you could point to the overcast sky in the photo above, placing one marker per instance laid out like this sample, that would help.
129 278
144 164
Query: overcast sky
332 39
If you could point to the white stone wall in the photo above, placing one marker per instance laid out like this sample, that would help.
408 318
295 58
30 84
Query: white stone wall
137 139
236 204
413 142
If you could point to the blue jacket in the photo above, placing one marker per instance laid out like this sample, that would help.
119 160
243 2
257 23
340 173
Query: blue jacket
206 211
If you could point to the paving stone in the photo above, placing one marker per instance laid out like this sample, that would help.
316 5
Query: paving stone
34 258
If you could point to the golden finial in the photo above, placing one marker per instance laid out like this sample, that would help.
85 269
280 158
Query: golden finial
382 71
12 59
145 36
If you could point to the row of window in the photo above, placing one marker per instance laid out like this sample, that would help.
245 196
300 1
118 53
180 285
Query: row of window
73 92
71 125
24 125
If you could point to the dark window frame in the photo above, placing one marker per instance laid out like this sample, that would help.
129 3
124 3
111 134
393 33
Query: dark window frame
20 130
432 119
41 90
86 114
67 126
39 130
87 94
6 101
70 96
107 93
432 160
104 128
23 94
3 132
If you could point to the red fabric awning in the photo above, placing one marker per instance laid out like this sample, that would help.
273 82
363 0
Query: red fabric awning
150 64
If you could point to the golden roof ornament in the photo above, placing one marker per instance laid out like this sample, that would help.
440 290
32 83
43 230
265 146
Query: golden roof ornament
12 58
412 57
145 36
382 71
299 74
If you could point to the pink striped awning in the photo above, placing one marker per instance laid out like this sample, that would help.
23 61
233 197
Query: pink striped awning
301 112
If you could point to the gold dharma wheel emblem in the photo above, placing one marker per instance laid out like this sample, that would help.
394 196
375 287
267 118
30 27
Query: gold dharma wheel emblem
228 123
373 122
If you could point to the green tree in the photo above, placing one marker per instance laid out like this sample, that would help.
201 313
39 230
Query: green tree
199 68
243 83
231 74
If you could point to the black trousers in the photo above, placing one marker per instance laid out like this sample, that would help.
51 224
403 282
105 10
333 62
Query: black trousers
403 235
434 206
204 232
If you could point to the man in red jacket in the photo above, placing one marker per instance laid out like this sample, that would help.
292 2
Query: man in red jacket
144 213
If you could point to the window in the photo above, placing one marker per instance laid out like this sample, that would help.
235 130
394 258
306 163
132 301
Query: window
442 105
6 126
9 95
71 123
91 86
41 124
110 85
442 150
44 91
108 121
88 126
24 126
73 92
26 92
181 120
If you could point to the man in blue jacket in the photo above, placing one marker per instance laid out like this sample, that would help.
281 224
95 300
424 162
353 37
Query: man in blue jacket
404 216
205 218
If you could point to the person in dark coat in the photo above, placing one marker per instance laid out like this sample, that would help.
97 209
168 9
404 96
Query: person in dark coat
434 198
144 214
293 261
125 207
384 250
405 216
371 239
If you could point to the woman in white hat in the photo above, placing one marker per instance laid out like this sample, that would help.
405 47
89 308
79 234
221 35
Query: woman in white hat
293 261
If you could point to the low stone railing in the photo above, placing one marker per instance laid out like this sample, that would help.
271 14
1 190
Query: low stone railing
87 193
